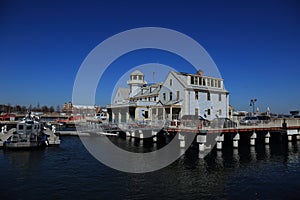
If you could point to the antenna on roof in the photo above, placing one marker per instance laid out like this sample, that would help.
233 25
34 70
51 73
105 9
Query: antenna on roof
153 77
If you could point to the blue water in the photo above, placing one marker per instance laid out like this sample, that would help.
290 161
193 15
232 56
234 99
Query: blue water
70 172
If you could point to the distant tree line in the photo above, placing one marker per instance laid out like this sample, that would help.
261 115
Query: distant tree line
23 109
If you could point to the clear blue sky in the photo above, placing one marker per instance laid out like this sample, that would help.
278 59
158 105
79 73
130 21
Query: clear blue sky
255 44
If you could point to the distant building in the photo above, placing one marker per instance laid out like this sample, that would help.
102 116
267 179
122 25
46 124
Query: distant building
180 94
67 107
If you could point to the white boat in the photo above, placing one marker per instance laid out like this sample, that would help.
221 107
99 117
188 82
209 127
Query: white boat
30 133
101 116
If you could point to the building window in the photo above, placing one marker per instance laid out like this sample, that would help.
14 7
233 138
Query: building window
196 95
145 114
208 111
140 77
171 96
164 96
196 111
220 97
149 99
208 96
134 77
208 82
204 82
220 112
212 83
171 82
196 80
154 98
177 95
192 80
219 84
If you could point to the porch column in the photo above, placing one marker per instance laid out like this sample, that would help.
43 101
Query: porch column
150 113
120 116
136 114
171 113
112 116
127 116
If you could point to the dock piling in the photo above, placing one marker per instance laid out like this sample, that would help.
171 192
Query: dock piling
236 139
181 139
290 138
267 138
290 134
252 139
219 140
201 139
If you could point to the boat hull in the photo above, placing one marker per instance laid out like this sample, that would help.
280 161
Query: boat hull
23 145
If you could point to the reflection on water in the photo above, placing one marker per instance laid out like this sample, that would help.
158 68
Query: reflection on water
69 171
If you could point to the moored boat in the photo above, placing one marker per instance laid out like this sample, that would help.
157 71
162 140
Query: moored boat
29 133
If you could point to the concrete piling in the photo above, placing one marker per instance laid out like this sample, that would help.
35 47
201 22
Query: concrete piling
182 144
252 139
290 134
220 140
141 136
201 139
267 138
219 145
236 139
181 139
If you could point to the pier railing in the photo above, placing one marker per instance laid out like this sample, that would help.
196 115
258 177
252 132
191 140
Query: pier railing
165 124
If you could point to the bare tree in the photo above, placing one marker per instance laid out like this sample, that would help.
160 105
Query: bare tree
18 108
38 107
23 109
51 109
45 109
58 109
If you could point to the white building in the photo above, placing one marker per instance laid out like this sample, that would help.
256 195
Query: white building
180 94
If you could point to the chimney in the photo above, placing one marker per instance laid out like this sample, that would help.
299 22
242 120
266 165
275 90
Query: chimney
200 72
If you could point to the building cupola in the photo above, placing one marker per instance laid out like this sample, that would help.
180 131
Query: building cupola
137 80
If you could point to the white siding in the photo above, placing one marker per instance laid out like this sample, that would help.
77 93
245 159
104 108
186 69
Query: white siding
176 86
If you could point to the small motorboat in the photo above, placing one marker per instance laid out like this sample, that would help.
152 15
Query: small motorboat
29 133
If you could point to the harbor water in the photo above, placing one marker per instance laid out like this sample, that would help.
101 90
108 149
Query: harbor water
68 171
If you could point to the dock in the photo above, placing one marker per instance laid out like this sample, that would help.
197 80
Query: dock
205 137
